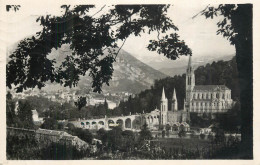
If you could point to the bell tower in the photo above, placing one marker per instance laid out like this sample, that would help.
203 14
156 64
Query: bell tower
163 109
190 82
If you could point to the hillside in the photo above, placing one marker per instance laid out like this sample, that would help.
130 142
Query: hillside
180 67
130 74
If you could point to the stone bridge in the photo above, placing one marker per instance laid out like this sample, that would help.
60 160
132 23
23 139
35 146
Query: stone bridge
126 122
129 122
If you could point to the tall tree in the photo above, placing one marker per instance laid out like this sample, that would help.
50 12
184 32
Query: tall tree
94 41
81 102
236 26
24 115
10 110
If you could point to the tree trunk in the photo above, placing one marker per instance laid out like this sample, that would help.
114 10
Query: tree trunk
244 57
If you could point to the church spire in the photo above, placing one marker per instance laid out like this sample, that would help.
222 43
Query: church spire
189 64
174 101
163 95
174 95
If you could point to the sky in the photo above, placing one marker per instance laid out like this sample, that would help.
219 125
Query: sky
198 33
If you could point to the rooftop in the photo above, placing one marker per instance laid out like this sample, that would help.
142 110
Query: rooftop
210 87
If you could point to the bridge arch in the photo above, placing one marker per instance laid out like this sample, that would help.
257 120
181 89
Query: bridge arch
101 123
120 122
182 127
82 123
128 123
110 123
175 127
136 124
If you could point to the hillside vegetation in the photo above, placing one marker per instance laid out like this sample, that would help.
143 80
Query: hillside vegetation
216 73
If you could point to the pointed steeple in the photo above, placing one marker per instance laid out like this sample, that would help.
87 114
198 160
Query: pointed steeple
174 106
174 95
163 95
189 64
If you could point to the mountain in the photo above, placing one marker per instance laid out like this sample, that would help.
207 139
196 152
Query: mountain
179 67
130 74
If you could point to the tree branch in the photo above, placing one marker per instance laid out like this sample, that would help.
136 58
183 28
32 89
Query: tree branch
99 10
200 12
120 49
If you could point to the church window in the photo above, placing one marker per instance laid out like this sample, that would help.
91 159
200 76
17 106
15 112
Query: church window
217 95
194 96
207 96
211 95
202 96
223 96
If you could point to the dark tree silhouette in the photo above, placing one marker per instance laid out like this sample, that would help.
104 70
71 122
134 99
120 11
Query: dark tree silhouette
24 116
93 40
236 26
81 102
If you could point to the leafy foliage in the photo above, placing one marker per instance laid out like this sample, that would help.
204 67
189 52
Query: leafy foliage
81 102
116 139
94 43
145 134
50 123
12 7
170 46
83 134
28 148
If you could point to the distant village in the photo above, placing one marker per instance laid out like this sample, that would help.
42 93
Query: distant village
112 99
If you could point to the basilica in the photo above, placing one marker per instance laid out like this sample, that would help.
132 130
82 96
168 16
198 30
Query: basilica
206 98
